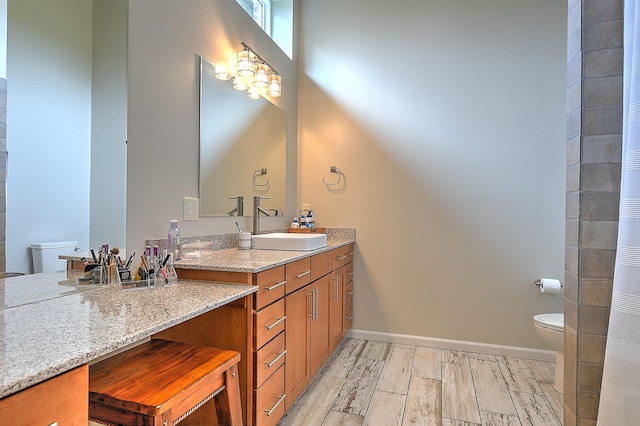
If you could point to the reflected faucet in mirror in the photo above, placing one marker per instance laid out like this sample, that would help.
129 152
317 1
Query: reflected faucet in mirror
238 210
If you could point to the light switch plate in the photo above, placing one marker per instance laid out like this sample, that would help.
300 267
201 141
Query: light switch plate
191 208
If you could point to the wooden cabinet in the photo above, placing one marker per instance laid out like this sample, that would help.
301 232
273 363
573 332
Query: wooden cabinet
298 307
348 298
320 347
63 399
336 307
269 400
298 318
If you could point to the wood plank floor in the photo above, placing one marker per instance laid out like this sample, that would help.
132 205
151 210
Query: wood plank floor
374 383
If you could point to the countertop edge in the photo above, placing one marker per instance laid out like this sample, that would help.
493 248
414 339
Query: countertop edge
30 379
284 257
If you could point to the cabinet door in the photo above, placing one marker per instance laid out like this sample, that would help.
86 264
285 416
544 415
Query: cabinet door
336 306
62 399
320 341
297 368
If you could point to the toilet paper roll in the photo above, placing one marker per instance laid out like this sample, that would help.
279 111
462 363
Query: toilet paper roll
550 285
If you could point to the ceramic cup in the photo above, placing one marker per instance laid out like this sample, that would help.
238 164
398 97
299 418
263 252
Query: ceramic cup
244 240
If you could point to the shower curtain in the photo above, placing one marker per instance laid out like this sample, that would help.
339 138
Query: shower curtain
620 391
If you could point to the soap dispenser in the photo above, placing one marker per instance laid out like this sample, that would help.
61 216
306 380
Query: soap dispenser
295 224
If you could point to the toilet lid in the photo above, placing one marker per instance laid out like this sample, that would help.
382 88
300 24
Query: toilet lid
551 321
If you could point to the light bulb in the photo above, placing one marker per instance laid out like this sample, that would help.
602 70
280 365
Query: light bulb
253 92
245 63
221 72
275 86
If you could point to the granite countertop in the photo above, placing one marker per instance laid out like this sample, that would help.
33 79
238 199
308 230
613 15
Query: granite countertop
49 325
254 260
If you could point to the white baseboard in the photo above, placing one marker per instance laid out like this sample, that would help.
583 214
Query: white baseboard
458 345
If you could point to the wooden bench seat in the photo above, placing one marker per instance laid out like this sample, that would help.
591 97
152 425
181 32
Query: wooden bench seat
161 382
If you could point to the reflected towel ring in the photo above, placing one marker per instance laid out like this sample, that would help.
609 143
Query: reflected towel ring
334 169
259 172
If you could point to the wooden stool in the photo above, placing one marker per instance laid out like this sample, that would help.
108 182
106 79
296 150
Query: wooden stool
161 382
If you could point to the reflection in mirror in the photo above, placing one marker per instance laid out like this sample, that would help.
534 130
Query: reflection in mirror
242 149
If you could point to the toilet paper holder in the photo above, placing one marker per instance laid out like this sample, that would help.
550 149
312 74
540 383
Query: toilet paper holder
538 282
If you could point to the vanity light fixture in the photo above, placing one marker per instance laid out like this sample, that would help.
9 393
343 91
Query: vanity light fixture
254 75
221 72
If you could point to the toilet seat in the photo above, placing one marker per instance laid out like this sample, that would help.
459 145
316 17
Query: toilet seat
553 322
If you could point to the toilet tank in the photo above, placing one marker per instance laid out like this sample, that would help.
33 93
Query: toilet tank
45 255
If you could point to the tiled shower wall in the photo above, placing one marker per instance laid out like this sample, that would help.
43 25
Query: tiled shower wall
3 175
594 144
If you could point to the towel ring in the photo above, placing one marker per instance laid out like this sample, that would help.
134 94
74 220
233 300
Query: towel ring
334 169
259 172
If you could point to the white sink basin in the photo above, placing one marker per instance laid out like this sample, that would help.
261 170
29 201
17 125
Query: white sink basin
287 241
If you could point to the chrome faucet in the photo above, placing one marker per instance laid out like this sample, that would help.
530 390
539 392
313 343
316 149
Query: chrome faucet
256 213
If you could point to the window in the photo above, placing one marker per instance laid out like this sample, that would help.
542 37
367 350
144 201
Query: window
260 11
275 17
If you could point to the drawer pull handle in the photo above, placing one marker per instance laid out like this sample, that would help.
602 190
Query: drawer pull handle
350 273
280 355
281 283
351 317
281 398
269 327
302 274
342 257
350 253
350 293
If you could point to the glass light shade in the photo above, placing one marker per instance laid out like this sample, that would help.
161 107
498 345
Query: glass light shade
275 86
253 92
238 84
221 72
245 64
261 79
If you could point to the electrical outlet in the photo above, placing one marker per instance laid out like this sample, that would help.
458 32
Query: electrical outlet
191 208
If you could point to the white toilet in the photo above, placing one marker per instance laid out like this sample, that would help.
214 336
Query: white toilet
551 328
45 255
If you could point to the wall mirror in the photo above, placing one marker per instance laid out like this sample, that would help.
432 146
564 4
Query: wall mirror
242 148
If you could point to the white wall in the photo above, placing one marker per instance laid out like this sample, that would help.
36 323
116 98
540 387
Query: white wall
48 125
3 38
165 40
448 121
109 123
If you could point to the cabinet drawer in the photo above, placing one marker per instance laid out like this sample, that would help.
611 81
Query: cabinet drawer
269 400
298 274
348 251
338 257
271 284
348 272
348 315
348 291
320 265
268 359
268 323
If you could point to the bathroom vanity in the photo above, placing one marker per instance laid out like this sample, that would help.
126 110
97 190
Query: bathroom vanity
51 329
284 311
301 311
